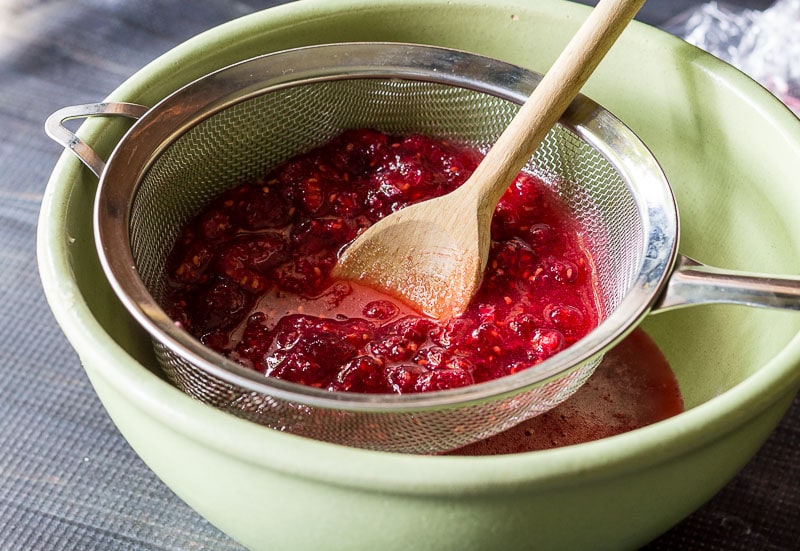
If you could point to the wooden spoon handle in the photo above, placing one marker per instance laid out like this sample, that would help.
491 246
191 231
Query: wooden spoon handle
550 98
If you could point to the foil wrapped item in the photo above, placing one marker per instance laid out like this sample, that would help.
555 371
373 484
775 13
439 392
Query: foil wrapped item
764 44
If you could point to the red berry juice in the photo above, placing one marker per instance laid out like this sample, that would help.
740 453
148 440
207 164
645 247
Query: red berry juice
632 387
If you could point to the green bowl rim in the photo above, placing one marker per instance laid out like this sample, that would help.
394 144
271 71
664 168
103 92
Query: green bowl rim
371 470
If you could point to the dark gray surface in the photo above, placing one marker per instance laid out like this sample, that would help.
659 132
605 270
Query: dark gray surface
67 478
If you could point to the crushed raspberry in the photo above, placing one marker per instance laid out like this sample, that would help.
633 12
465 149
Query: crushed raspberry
249 276
380 310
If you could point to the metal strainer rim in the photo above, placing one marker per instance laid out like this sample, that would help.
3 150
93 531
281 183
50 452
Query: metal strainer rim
191 104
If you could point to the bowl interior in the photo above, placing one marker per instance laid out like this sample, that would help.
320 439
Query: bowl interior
733 192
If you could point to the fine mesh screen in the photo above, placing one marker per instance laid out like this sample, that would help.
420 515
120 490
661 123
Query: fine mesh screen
244 140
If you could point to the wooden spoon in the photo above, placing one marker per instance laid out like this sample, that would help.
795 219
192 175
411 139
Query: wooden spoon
432 255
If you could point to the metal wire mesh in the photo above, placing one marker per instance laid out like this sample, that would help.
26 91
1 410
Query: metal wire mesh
241 141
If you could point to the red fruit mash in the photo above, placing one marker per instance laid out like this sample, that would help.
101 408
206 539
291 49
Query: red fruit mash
249 275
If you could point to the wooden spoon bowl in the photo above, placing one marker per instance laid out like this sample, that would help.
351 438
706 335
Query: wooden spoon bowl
432 255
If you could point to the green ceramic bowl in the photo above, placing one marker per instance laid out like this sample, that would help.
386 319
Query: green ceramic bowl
732 153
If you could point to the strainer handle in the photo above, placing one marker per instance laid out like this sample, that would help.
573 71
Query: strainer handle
54 126
692 282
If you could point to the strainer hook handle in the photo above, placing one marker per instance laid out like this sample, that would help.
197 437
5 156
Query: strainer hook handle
692 282
54 127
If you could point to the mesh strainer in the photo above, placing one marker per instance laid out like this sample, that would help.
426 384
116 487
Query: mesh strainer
232 125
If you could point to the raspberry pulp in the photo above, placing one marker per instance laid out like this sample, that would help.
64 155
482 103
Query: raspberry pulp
250 275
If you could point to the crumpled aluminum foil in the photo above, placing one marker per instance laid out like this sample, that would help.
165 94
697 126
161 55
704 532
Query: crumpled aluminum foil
763 44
